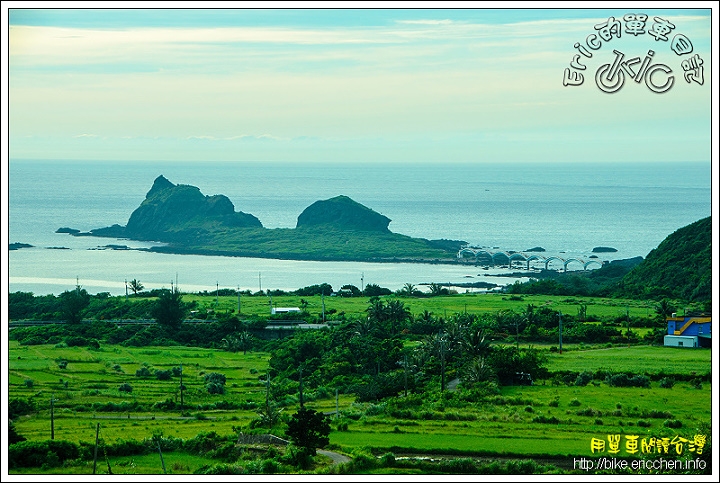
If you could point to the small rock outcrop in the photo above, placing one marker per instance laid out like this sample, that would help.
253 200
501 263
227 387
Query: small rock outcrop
342 213
604 250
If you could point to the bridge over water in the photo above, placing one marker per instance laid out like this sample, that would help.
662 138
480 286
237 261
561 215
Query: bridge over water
482 254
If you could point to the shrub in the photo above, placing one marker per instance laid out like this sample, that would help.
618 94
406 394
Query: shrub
667 382
589 412
128 448
163 375
76 341
574 402
657 414
19 407
643 424
33 340
215 377
125 388
546 420
143 372
672 423
36 454
215 388
583 379
62 364
623 380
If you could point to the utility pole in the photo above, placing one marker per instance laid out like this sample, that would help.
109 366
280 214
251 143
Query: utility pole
217 293
97 439
301 389
162 461
560 330
181 390
126 290
267 392
442 363
627 324
52 416
362 282
238 299
406 372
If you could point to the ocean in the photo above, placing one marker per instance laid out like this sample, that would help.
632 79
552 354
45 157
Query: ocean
567 209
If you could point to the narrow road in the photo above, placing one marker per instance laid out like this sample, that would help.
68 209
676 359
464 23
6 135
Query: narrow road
337 458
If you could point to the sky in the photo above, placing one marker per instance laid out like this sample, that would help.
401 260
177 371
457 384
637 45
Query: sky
349 84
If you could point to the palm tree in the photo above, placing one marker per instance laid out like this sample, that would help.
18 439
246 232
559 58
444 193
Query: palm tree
244 341
377 310
408 290
664 310
437 289
397 314
475 343
136 286
364 327
478 371
230 343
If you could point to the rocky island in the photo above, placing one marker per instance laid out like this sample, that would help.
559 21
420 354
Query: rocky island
337 229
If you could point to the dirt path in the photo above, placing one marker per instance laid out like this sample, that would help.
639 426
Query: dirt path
337 458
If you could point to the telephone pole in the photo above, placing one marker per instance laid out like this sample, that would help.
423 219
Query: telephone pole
560 330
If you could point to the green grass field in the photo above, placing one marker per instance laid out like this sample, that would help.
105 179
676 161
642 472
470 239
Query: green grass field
475 303
544 419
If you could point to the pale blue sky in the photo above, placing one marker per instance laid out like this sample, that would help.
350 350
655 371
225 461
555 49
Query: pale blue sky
369 85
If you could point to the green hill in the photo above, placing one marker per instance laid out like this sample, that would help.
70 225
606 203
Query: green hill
680 267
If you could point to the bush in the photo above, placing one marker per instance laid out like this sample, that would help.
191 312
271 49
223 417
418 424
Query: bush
19 407
143 372
583 379
574 402
33 340
672 423
546 420
62 364
76 341
623 380
216 378
163 375
125 388
667 382
643 424
215 388
36 454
